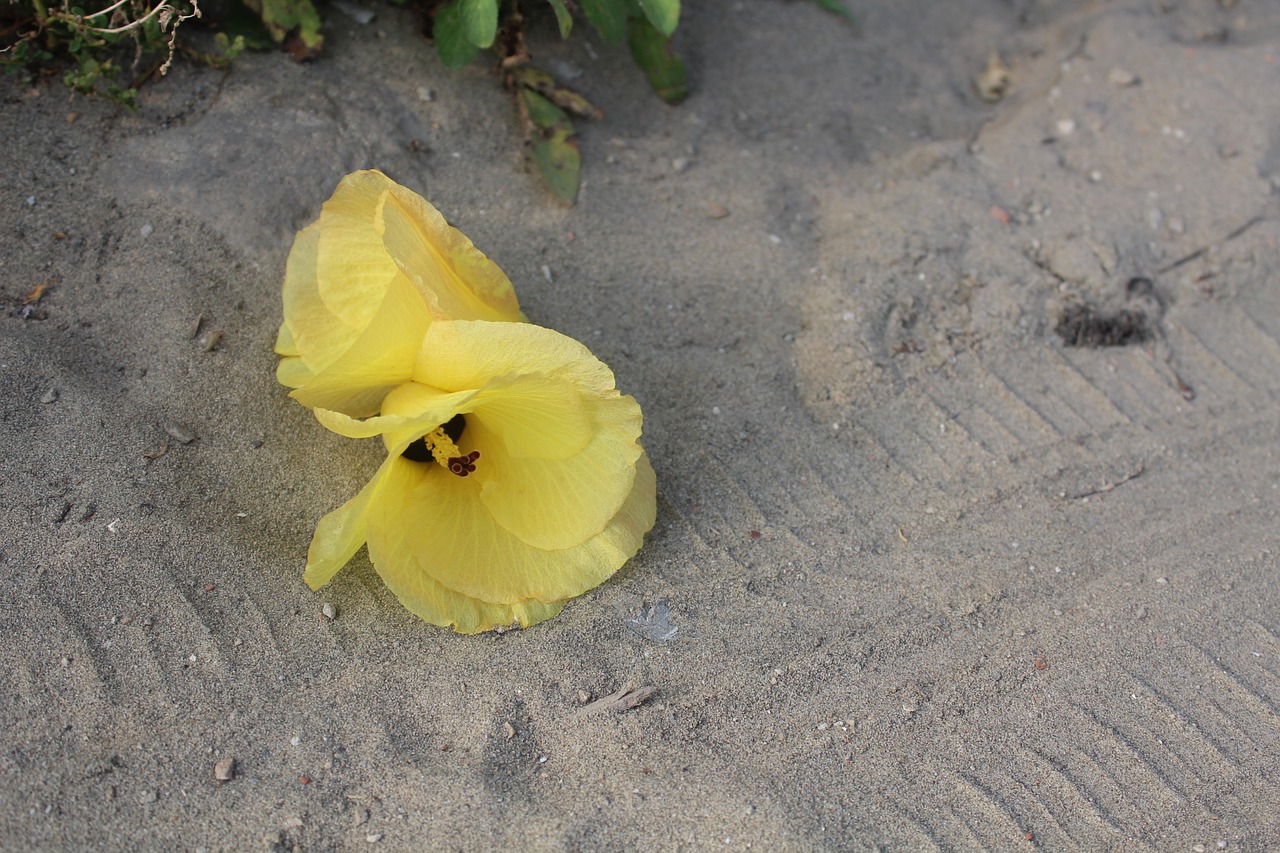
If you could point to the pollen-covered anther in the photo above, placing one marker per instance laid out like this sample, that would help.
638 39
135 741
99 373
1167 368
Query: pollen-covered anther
464 465
447 454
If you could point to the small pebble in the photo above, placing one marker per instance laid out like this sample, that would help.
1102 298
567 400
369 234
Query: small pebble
146 230
225 770
295 740
373 837
583 697
715 211
360 817
328 611
50 396
31 201
680 165
1122 77
546 273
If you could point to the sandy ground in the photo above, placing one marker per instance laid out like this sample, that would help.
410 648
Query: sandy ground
946 573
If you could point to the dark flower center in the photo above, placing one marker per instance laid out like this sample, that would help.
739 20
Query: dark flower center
438 446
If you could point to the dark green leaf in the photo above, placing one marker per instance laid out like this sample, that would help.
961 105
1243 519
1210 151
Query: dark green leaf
239 22
543 113
480 21
665 14
652 52
838 7
553 152
563 18
451 38
607 16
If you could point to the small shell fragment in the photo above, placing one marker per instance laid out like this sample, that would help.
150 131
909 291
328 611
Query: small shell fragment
211 341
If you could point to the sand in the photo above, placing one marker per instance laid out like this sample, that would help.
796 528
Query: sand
946 572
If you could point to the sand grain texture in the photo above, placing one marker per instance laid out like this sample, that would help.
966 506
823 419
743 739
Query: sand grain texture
941 580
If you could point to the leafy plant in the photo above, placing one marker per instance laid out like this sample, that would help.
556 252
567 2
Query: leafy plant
89 40
463 29
92 47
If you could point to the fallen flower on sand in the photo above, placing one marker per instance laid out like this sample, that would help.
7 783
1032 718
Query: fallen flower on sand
515 479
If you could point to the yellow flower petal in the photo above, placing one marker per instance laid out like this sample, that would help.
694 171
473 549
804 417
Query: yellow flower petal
465 354
341 533
429 535
424 410
323 326
362 283
353 269
285 344
292 372
378 359
556 502
558 443
452 274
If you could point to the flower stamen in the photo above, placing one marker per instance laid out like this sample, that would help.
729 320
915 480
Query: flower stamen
439 445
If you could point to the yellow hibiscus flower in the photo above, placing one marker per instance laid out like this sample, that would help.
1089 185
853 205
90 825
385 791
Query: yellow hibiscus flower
515 479
363 283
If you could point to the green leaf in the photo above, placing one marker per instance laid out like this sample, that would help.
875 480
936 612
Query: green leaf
652 52
563 18
545 85
455 49
553 152
544 114
837 7
282 17
665 14
480 21
607 16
